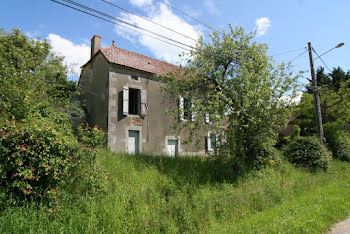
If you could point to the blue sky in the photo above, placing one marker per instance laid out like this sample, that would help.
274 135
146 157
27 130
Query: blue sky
284 25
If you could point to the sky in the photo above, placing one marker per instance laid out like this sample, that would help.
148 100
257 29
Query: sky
286 26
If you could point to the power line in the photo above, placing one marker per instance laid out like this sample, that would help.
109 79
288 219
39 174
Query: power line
125 22
99 17
299 55
184 13
121 8
289 51
321 60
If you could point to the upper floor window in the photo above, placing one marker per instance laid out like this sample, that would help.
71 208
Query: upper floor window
134 101
185 106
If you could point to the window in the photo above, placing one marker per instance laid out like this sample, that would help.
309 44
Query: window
185 111
134 101
136 78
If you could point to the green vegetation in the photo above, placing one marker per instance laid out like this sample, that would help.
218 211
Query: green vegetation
307 152
233 82
137 194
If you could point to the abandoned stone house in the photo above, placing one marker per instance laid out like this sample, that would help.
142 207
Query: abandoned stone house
123 97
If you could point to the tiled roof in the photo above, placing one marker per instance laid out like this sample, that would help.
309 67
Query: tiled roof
137 61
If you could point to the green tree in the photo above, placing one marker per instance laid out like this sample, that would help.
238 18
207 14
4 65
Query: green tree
31 76
232 79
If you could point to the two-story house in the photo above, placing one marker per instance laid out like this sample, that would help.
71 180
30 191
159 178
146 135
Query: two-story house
123 97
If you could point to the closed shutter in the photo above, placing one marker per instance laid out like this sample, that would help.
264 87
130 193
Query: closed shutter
125 100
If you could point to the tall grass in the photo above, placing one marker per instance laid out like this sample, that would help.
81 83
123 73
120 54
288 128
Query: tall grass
159 194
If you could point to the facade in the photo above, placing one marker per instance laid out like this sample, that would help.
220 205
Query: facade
123 97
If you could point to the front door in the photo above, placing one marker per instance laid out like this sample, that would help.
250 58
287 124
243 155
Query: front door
172 147
133 142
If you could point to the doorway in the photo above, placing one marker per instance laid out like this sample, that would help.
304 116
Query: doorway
134 142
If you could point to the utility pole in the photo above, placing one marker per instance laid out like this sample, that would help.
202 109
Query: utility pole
316 97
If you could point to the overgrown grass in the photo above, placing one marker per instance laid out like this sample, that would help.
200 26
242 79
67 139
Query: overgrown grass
158 194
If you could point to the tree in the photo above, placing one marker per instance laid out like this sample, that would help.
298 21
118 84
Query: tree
232 79
31 76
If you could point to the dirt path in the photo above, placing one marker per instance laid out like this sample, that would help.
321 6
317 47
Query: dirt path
341 228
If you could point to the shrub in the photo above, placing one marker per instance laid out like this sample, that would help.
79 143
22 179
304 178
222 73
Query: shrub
307 152
35 155
338 141
91 137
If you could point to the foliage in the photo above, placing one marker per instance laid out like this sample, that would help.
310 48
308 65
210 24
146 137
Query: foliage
148 194
338 140
335 102
31 76
307 152
91 137
37 145
232 79
35 156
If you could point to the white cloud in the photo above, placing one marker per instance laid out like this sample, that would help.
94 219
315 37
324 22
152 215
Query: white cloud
211 7
161 14
140 3
75 55
262 24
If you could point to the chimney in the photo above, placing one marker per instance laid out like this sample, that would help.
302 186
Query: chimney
95 44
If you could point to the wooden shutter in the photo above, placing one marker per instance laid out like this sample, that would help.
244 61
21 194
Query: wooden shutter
209 142
125 100
207 117
181 108
144 106
193 113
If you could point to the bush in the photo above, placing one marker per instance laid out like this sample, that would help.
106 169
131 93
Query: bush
91 137
35 156
307 152
338 141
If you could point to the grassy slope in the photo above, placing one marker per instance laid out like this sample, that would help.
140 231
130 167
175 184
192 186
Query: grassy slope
158 194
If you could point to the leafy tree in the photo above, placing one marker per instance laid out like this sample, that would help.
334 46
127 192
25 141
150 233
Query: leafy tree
31 76
232 79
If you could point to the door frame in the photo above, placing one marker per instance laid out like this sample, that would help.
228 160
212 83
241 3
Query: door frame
141 140
177 138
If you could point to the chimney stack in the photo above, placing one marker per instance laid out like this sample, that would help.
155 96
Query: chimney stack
95 44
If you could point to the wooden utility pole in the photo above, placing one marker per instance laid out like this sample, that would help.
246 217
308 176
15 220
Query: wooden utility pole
318 115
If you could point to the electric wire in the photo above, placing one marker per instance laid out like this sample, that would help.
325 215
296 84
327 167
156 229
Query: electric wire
142 17
99 17
298 55
321 60
289 51
184 13
122 21
125 22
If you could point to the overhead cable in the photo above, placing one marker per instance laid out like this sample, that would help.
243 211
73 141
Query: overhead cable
142 17
125 22
184 13
88 13
321 60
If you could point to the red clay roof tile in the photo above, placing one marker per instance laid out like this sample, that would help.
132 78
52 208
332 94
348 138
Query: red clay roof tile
137 61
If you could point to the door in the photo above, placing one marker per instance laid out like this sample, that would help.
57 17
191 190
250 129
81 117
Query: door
172 148
133 142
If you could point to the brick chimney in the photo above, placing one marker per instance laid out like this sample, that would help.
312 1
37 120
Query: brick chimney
95 44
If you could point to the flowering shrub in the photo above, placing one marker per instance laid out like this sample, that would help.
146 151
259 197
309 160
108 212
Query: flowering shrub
35 155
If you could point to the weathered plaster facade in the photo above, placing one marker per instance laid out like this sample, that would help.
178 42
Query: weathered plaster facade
115 78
